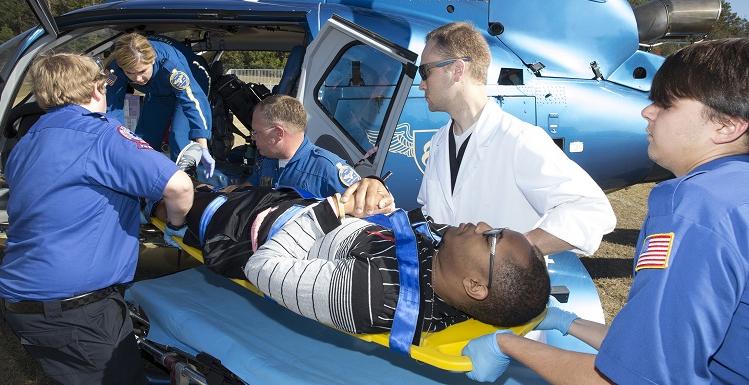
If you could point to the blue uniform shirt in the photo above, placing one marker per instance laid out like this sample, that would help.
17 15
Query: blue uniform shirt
176 93
74 180
687 316
312 169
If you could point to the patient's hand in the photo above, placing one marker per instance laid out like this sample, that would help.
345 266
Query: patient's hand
367 197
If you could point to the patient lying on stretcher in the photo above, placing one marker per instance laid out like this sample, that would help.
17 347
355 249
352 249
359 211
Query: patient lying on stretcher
344 274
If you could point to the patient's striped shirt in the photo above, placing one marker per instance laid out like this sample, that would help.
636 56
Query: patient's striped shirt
343 274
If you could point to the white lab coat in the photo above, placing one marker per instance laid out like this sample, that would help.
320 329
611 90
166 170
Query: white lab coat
513 175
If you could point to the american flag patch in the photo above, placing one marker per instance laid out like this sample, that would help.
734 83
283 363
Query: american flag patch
656 252
111 78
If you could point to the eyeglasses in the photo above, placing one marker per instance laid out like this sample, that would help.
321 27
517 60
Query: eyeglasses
424 68
493 235
264 130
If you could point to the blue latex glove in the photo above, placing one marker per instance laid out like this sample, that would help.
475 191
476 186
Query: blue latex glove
173 231
557 319
208 163
488 360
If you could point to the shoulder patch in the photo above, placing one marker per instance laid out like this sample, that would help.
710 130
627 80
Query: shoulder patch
656 252
347 174
179 80
139 143
111 78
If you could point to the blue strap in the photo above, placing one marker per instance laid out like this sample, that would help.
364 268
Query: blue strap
205 219
423 229
407 309
282 219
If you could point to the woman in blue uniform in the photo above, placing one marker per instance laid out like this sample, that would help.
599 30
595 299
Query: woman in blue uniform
74 180
687 315
175 83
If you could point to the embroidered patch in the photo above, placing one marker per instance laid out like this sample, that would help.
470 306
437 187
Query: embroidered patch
266 181
139 143
347 174
179 80
111 78
656 252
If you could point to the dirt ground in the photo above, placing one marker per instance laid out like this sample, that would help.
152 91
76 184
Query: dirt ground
611 269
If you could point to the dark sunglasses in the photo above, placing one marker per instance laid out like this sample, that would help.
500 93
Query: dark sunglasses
493 235
424 68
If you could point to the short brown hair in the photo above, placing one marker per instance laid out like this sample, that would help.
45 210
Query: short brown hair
714 73
133 49
65 78
283 108
460 40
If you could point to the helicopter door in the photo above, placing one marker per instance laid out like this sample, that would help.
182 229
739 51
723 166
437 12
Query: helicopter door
354 84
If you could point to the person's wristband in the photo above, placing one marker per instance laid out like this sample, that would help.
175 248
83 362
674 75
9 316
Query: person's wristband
341 207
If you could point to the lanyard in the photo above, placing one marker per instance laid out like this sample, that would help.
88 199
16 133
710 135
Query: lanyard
456 160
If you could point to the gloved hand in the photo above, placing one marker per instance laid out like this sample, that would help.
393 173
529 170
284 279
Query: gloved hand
174 231
488 360
208 163
557 319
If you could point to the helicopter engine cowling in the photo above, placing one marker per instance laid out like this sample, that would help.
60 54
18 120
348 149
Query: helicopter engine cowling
675 19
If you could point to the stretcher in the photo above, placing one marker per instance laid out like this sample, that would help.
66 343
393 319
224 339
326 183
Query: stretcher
440 349
199 312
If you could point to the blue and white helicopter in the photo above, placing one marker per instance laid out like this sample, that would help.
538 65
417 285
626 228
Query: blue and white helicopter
572 67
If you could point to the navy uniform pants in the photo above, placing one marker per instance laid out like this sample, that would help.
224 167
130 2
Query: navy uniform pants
91 344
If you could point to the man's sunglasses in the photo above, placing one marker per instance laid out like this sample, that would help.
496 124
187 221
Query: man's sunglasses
424 68
493 235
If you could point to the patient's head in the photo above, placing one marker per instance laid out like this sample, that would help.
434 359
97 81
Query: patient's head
519 287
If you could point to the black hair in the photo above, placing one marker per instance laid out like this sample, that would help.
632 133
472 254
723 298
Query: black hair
519 292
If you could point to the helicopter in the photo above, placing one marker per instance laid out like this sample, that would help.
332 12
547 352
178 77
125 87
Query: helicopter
574 68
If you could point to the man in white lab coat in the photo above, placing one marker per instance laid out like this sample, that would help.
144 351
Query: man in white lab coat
487 165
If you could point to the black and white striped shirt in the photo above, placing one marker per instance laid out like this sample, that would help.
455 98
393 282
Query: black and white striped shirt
343 274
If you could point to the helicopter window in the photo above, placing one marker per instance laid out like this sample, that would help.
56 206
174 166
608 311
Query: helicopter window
510 77
357 91
10 47
80 44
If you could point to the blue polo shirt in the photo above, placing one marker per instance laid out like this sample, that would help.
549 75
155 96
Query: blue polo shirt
687 316
74 180
312 169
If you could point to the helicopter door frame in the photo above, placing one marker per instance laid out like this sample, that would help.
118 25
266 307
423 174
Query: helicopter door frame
45 17
335 36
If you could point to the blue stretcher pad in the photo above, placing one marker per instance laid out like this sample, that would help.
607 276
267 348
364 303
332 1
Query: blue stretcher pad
261 342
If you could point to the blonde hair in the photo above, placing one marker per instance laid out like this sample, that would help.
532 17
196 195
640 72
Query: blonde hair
455 40
133 49
65 78
283 108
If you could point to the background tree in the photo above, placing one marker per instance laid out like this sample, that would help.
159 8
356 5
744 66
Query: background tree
16 16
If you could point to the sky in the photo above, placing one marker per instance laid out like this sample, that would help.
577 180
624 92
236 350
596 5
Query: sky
740 7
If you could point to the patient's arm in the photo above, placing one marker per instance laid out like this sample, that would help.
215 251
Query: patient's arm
307 268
